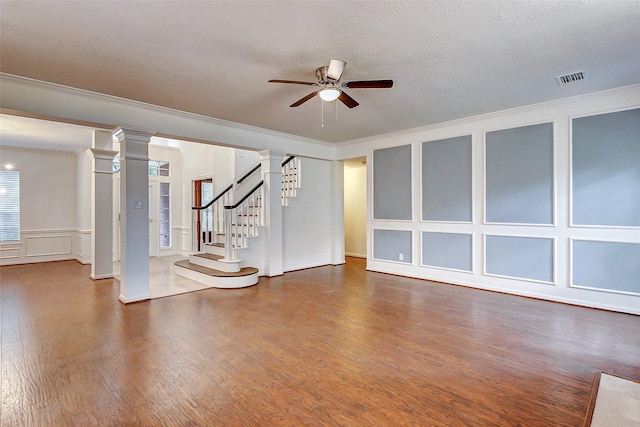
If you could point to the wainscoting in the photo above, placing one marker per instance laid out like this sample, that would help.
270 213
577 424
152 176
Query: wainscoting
47 245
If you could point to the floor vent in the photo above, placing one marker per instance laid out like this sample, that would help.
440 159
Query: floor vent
570 78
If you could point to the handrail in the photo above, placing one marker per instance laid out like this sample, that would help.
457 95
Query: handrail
238 221
215 199
246 196
256 167
246 175
288 160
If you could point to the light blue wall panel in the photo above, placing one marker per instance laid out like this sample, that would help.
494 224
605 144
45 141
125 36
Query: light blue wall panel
392 183
521 257
388 244
446 179
606 169
447 250
519 175
607 265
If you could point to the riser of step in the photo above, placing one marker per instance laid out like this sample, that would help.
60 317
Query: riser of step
215 262
215 249
225 282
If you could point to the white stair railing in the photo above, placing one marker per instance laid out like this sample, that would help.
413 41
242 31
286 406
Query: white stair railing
209 221
291 179
242 221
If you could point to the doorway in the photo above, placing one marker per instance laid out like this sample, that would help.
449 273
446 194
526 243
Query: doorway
355 207
203 194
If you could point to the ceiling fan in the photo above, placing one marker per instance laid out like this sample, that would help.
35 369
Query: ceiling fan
330 87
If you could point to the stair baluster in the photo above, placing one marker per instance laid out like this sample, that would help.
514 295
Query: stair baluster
248 215
214 219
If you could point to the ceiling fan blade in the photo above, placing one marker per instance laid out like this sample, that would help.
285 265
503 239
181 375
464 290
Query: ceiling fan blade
347 100
336 68
293 82
303 100
369 84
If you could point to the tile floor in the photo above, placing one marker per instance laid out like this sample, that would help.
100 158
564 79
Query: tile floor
163 282
617 404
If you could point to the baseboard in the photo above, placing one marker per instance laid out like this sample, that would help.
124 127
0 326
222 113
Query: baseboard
101 276
355 255
140 298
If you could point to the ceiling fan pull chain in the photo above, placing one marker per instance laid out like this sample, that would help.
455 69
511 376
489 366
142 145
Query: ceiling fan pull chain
322 104
336 102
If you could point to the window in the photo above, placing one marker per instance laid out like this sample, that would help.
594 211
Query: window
156 167
9 205
165 215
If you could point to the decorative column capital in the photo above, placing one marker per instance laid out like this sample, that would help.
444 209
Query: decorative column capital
271 161
103 154
102 160
134 143
132 134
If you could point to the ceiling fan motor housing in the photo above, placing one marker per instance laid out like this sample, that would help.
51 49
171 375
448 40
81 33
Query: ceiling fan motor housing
323 78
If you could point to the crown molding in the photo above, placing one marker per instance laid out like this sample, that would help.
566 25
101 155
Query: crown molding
624 90
69 90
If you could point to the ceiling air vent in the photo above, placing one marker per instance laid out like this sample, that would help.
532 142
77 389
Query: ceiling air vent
572 77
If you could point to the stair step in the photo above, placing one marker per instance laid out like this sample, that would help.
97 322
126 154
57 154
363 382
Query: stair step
247 276
212 257
215 261
245 271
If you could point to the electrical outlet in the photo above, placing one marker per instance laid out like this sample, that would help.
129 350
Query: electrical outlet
401 256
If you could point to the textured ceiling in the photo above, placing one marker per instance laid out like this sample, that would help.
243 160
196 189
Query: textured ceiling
448 59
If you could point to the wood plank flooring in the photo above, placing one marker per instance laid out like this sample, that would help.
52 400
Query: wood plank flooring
329 346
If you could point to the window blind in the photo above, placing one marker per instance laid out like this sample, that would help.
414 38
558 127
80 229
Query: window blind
9 205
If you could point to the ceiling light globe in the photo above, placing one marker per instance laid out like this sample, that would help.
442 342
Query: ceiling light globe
329 94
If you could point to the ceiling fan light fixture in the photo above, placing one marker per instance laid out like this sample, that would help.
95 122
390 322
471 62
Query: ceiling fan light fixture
329 94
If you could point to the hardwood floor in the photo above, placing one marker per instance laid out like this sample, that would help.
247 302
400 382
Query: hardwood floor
329 346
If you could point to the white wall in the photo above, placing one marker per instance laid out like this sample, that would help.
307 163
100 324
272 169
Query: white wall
561 232
355 209
49 209
307 223
244 161
200 161
84 249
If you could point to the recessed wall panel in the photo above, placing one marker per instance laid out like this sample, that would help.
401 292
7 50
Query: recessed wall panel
610 266
520 257
392 245
392 183
519 175
606 169
447 250
446 179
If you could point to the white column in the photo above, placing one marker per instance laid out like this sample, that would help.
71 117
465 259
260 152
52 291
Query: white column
134 214
102 205
272 176
337 214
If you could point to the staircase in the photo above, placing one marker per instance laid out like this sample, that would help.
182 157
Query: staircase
222 228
